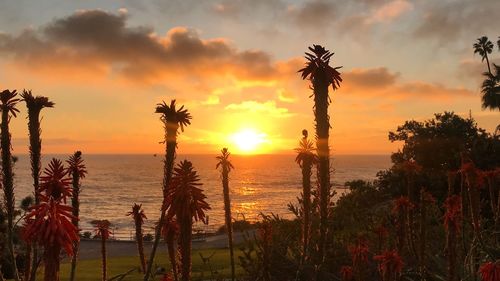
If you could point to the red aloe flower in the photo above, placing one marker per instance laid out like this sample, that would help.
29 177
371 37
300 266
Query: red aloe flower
359 255
55 182
186 201
402 204
410 167
359 252
474 176
452 217
50 222
490 271
390 265
346 273
167 277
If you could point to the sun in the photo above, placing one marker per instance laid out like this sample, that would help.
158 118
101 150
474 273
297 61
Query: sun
248 140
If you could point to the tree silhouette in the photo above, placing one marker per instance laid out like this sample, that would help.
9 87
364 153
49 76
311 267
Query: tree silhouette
490 90
226 167
172 119
35 105
186 201
322 75
306 158
77 171
138 215
483 47
8 107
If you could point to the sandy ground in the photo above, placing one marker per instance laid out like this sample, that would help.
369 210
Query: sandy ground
91 249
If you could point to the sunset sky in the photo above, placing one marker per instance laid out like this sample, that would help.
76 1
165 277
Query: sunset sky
233 64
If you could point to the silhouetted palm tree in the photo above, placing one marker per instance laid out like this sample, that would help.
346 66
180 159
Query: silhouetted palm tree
102 230
49 222
322 75
172 119
226 166
483 47
490 90
77 171
306 159
35 105
138 215
186 201
8 107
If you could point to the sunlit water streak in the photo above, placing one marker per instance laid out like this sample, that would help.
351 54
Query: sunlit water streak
264 183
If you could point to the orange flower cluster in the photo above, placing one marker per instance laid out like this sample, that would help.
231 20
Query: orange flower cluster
390 263
452 217
49 223
490 271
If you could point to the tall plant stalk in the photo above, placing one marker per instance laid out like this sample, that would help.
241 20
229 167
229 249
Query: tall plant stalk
306 159
49 222
8 107
138 215
35 106
322 75
102 230
186 201
77 171
172 119
226 166
170 232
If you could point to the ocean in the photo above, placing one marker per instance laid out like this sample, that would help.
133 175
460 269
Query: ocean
258 184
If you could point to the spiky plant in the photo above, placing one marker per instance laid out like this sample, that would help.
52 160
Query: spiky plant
400 210
77 171
411 169
452 221
8 107
322 75
138 215
306 158
49 222
172 119
483 47
390 265
102 230
170 232
186 201
226 167
34 106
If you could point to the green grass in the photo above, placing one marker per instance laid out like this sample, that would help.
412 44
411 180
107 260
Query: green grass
90 270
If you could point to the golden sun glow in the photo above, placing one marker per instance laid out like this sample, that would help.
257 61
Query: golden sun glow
248 141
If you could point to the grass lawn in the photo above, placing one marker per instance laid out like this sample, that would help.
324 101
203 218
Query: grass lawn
90 270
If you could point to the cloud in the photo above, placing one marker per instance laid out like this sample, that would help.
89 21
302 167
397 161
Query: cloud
268 107
102 41
239 8
315 14
449 21
369 78
381 83
390 11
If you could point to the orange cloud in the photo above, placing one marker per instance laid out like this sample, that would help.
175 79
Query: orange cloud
101 41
